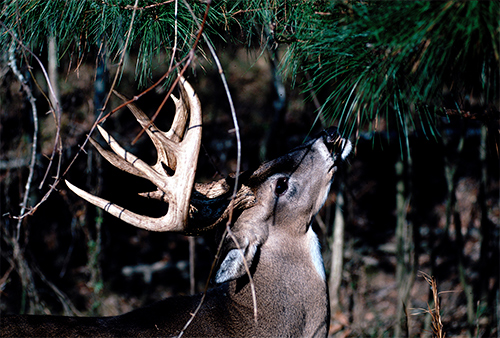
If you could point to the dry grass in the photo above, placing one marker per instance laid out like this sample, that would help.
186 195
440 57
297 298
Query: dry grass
437 324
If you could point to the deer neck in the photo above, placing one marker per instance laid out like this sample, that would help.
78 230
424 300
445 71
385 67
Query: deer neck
290 287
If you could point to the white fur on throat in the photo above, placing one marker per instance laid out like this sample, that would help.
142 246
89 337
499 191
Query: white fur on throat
315 251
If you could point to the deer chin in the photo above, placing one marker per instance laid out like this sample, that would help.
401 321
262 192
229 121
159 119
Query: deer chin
346 149
330 171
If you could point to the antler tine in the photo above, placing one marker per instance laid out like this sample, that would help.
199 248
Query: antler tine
182 146
140 221
127 160
167 143
179 124
158 137
116 160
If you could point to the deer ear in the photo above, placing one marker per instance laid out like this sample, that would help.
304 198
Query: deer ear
233 265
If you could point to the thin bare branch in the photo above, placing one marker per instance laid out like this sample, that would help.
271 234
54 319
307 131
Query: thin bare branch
20 43
56 110
247 270
174 49
98 119
207 284
238 169
229 98
122 58
129 7
67 304
34 112
189 58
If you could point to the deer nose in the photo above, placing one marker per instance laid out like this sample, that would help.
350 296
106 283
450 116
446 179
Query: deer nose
336 144
332 139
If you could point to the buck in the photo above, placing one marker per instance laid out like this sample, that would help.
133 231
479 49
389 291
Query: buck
271 280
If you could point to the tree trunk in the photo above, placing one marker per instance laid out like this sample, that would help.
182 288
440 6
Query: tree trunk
337 249
405 246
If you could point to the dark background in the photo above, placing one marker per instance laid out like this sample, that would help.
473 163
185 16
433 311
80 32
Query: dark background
71 247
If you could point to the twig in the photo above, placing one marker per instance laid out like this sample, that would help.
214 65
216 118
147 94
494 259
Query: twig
238 169
57 178
174 49
247 270
202 300
55 109
31 99
188 58
227 230
121 62
5 277
20 43
128 7
154 85
98 119
68 306
230 100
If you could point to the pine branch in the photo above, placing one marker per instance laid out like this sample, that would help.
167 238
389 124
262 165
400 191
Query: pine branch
367 60
395 58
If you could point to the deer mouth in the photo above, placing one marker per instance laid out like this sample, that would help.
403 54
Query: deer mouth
336 144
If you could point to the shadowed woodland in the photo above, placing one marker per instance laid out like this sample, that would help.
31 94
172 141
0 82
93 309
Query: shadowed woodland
411 224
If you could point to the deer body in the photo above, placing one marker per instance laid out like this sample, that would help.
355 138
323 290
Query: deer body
291 302
271 238
224 313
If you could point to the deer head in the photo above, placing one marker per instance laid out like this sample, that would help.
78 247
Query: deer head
271 247
288 192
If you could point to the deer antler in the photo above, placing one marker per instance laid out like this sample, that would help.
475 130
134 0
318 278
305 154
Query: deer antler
174 171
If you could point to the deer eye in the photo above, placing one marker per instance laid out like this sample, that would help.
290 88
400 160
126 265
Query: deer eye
281 186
